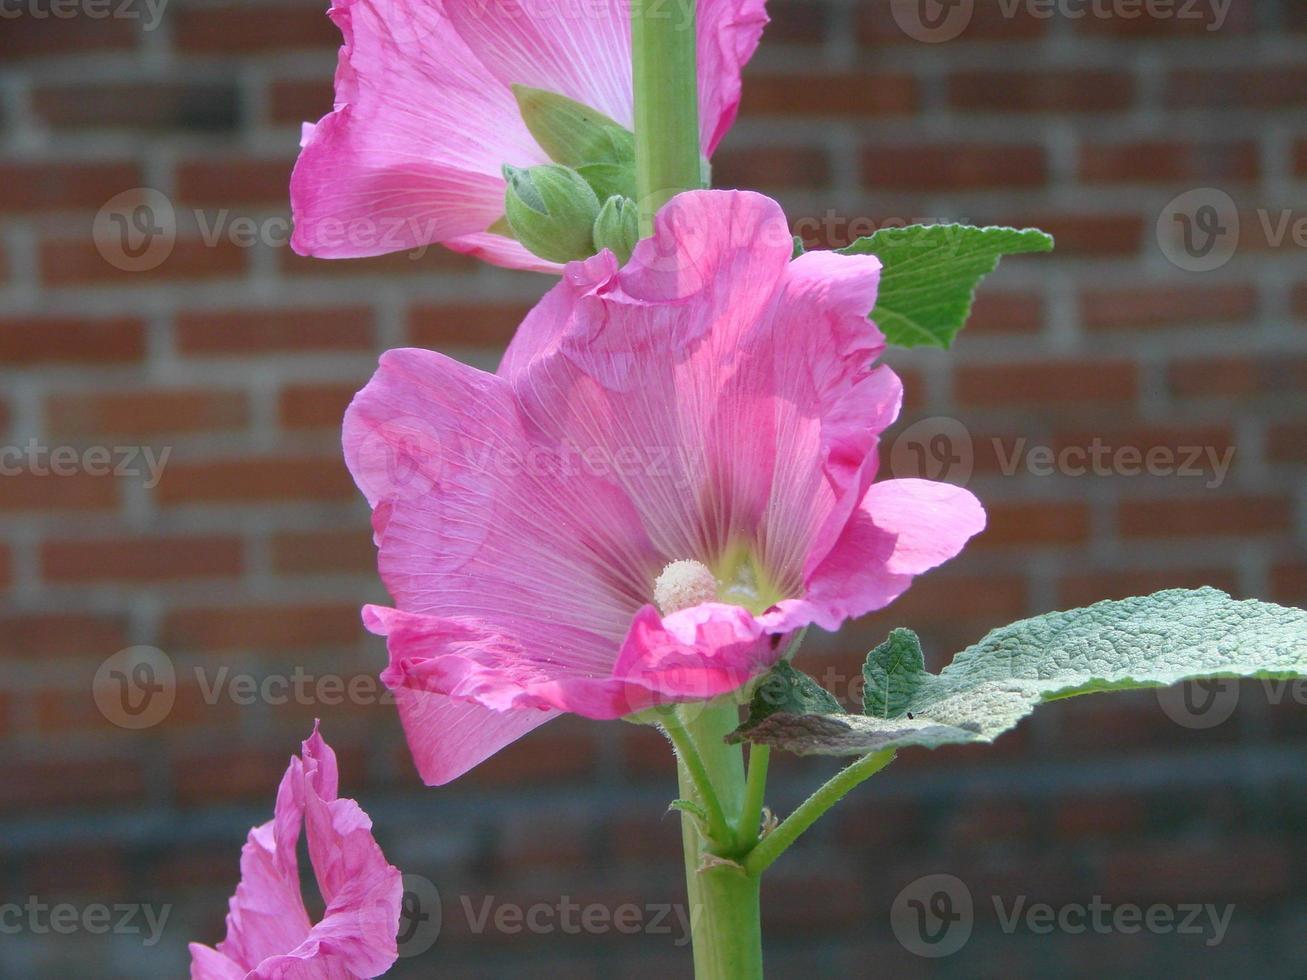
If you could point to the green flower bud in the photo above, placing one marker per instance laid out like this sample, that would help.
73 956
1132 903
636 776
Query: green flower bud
618 227
572 133
552 211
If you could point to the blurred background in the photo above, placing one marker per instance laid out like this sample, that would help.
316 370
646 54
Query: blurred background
1130 410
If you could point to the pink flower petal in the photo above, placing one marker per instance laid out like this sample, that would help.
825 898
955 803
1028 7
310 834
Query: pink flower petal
269 936
901 529
412 153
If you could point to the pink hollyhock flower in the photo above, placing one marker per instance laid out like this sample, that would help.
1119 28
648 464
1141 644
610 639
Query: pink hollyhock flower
670 472
269 935
425 118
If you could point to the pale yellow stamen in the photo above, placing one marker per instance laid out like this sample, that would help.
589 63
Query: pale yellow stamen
683 584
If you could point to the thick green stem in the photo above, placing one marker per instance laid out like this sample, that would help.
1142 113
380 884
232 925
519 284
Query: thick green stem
666 90
774 844
724 912
746 831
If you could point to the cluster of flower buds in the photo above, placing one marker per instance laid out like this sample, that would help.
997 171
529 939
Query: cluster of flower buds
582 202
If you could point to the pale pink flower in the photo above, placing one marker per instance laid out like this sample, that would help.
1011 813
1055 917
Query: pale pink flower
425 118
697 428
269 935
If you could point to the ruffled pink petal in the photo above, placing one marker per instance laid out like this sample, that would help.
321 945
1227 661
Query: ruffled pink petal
901 529
269 936
413 151
692 655
729 31
209 964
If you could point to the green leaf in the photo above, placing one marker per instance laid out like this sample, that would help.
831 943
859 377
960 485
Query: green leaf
787 690
893 673
931 272
1147 641
609 179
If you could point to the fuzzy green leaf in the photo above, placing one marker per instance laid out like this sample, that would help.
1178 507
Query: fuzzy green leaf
931 273
1147 641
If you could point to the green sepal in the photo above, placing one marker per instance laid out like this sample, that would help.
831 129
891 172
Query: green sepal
551 211
571 133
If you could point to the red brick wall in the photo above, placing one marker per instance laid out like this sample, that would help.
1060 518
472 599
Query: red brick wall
251 554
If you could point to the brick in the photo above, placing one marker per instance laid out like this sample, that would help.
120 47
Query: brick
1206 517
67 262
1286 442
1234 870
51 185
255 480
44 36
43 784
255 331
143 559
1161 161
262 627
1087 587
1052 382
1179 20
292 100
764 167
1088 234
6 566
315 406
1279 87
562 751
155 105
1041 91
28 341
998 312
142 414
877 23
323 551
953 166
846 95
1237 376
72 634
33 490
1166 306
1300 157
236 774
797 22
481 325
1299 300
1078 817
245 29
1032 523
226 182
1289 583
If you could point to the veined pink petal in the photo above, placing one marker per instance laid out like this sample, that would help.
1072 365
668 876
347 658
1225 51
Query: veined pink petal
901 529
425 118
412 153
269 936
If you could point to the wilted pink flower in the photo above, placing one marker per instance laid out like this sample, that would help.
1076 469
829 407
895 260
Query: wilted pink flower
425 118
269 935
697 429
